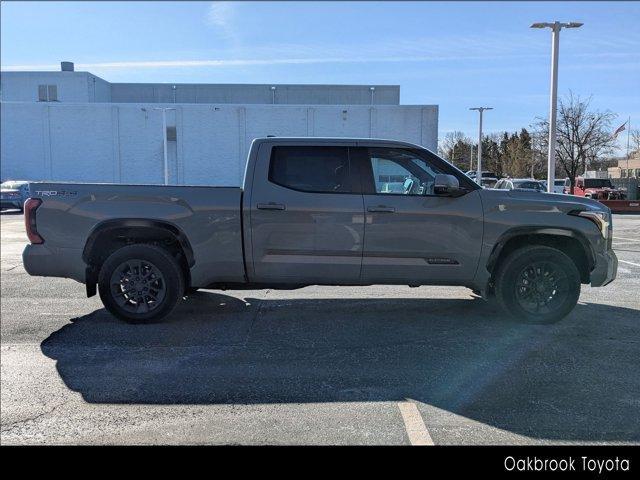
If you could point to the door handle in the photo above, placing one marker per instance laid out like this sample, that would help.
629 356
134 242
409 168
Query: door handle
271 206
381 209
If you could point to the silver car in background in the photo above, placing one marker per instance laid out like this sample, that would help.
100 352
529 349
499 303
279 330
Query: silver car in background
520 184
558 185
13 194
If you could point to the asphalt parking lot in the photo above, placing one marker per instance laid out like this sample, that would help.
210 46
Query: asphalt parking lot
320 365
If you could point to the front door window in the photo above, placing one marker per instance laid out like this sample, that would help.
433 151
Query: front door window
401 172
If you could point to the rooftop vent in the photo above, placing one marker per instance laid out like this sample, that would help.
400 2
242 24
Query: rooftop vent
66 66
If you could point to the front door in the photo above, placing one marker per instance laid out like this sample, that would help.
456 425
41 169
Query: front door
307 219
411 235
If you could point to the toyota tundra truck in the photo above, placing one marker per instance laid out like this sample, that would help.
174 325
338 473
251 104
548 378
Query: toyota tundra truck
321 211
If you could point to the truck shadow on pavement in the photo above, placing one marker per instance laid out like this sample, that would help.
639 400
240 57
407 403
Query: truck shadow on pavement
577 380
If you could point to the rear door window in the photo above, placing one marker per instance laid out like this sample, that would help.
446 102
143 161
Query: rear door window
311 169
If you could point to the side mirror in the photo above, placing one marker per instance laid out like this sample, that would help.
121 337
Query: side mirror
447 185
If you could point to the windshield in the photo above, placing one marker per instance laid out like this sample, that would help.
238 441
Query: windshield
597 183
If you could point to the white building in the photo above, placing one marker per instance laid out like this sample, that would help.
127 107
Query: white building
74 126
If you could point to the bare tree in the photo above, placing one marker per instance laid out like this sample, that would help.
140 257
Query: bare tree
449 142
539 148
583 136
635 140
456 148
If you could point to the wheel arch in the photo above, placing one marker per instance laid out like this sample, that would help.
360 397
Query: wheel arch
111 234
571 242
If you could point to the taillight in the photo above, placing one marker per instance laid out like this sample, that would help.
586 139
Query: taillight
30 207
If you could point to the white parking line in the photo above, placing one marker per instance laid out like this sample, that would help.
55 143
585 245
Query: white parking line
414 425
627 239
630 263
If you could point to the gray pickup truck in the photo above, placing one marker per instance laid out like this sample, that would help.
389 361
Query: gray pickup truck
327 211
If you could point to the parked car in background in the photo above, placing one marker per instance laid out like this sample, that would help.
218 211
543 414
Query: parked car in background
485 174
596 188
489 179
13 194
488 182
520 184
319 211
558 185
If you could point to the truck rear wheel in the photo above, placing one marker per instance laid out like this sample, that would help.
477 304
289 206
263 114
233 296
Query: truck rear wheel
537 284
140 283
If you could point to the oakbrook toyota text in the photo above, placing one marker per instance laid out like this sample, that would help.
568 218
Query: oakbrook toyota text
569 464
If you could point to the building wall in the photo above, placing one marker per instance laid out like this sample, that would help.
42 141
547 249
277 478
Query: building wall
259 94
102 142
23 86
86 87
99 89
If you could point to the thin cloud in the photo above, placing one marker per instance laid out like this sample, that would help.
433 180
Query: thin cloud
221 15
244 62
248 62
497 52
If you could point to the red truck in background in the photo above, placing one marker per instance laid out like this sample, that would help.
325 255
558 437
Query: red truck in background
596 188
602 190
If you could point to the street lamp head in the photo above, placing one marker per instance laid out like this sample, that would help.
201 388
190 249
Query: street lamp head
556 25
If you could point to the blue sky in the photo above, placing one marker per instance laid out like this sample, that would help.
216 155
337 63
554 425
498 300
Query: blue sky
454 54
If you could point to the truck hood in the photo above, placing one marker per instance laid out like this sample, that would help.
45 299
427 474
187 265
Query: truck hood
538 201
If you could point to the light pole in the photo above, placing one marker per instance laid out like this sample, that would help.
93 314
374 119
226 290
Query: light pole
555 44
479 154
164 139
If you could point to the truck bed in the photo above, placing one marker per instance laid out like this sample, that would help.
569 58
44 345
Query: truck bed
209 217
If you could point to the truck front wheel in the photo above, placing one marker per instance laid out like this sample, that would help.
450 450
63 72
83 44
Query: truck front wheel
537 284
140 283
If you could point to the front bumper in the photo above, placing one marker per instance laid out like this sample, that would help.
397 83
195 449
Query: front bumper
605 270
45 261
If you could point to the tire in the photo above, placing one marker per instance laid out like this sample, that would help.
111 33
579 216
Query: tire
140 283
537 284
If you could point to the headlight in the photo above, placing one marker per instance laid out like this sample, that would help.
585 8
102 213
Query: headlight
601 218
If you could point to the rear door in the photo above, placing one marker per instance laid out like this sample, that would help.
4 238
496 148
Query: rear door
411 235
307 215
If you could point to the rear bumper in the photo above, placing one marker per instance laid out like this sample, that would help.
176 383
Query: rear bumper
43 261
605 270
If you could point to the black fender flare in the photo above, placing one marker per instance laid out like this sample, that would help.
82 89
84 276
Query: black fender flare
112 224
540 230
